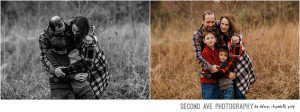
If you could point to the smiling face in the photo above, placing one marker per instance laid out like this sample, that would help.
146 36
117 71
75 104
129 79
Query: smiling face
224 25
209 40
223 56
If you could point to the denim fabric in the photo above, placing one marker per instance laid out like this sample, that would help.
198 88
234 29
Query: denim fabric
237 93
88 95
62 94
227 93
210 91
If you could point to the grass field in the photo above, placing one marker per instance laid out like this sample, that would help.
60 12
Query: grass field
127 53
274 51
125 43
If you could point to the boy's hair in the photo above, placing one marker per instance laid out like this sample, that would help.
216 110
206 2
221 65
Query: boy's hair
59 43
223 49
208 32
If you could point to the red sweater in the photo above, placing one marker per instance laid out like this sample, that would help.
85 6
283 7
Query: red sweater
212 57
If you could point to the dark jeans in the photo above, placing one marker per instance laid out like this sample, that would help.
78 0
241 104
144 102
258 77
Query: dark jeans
62 94
227 93
210 91
237 93
88 95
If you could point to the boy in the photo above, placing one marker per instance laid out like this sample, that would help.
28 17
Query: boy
209 86
58 57
225 83
210 54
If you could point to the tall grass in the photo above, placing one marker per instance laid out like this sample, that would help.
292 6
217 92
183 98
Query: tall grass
273 49
126 49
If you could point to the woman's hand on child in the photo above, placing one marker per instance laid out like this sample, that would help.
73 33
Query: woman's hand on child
58 72
232 75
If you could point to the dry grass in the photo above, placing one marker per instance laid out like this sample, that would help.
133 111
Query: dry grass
273 49
125 46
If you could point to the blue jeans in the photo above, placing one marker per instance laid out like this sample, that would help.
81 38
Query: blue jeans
237 93
227 93
210 91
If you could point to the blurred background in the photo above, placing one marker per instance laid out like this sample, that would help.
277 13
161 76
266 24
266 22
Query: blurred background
270 31
123 34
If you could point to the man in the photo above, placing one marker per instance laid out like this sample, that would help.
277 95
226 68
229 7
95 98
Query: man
59 84
209 23
94 58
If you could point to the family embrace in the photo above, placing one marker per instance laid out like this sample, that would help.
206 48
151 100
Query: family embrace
71 55
226 71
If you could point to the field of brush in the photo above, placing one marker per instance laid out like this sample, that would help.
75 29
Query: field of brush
273 49
125 44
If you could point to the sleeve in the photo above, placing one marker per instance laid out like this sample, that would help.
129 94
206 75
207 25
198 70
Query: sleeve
78 67
217 75
198 47
44 46
52 59
88 53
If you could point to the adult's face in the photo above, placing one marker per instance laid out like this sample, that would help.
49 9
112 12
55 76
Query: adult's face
209 22
224 25
60 28
75 30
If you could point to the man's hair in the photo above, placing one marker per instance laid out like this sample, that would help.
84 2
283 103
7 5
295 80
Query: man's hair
207 12
55 21
59 43
223 49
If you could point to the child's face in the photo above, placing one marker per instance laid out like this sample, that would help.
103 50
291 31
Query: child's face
209 40
74 53
223 56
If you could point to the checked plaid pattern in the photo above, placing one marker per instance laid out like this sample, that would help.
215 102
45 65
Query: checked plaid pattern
243 70
98 72
199 45
244 73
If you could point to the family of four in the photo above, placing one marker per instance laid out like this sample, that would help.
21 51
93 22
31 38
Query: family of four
71 54
226 71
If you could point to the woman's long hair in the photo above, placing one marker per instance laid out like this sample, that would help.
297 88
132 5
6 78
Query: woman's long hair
233 26
83 26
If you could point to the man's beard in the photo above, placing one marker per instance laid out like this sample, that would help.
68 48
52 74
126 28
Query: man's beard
208 28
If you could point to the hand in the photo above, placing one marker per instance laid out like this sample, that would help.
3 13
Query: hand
81 76
214 68
58 72
232 75
235 39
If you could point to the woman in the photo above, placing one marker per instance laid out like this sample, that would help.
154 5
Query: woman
85 40
243 67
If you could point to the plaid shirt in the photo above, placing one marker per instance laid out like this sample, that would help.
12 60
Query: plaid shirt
44 41
94 60
199 45
98 71
243 70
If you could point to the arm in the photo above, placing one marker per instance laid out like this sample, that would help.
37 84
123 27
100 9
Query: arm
44 46
198 47
88 53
